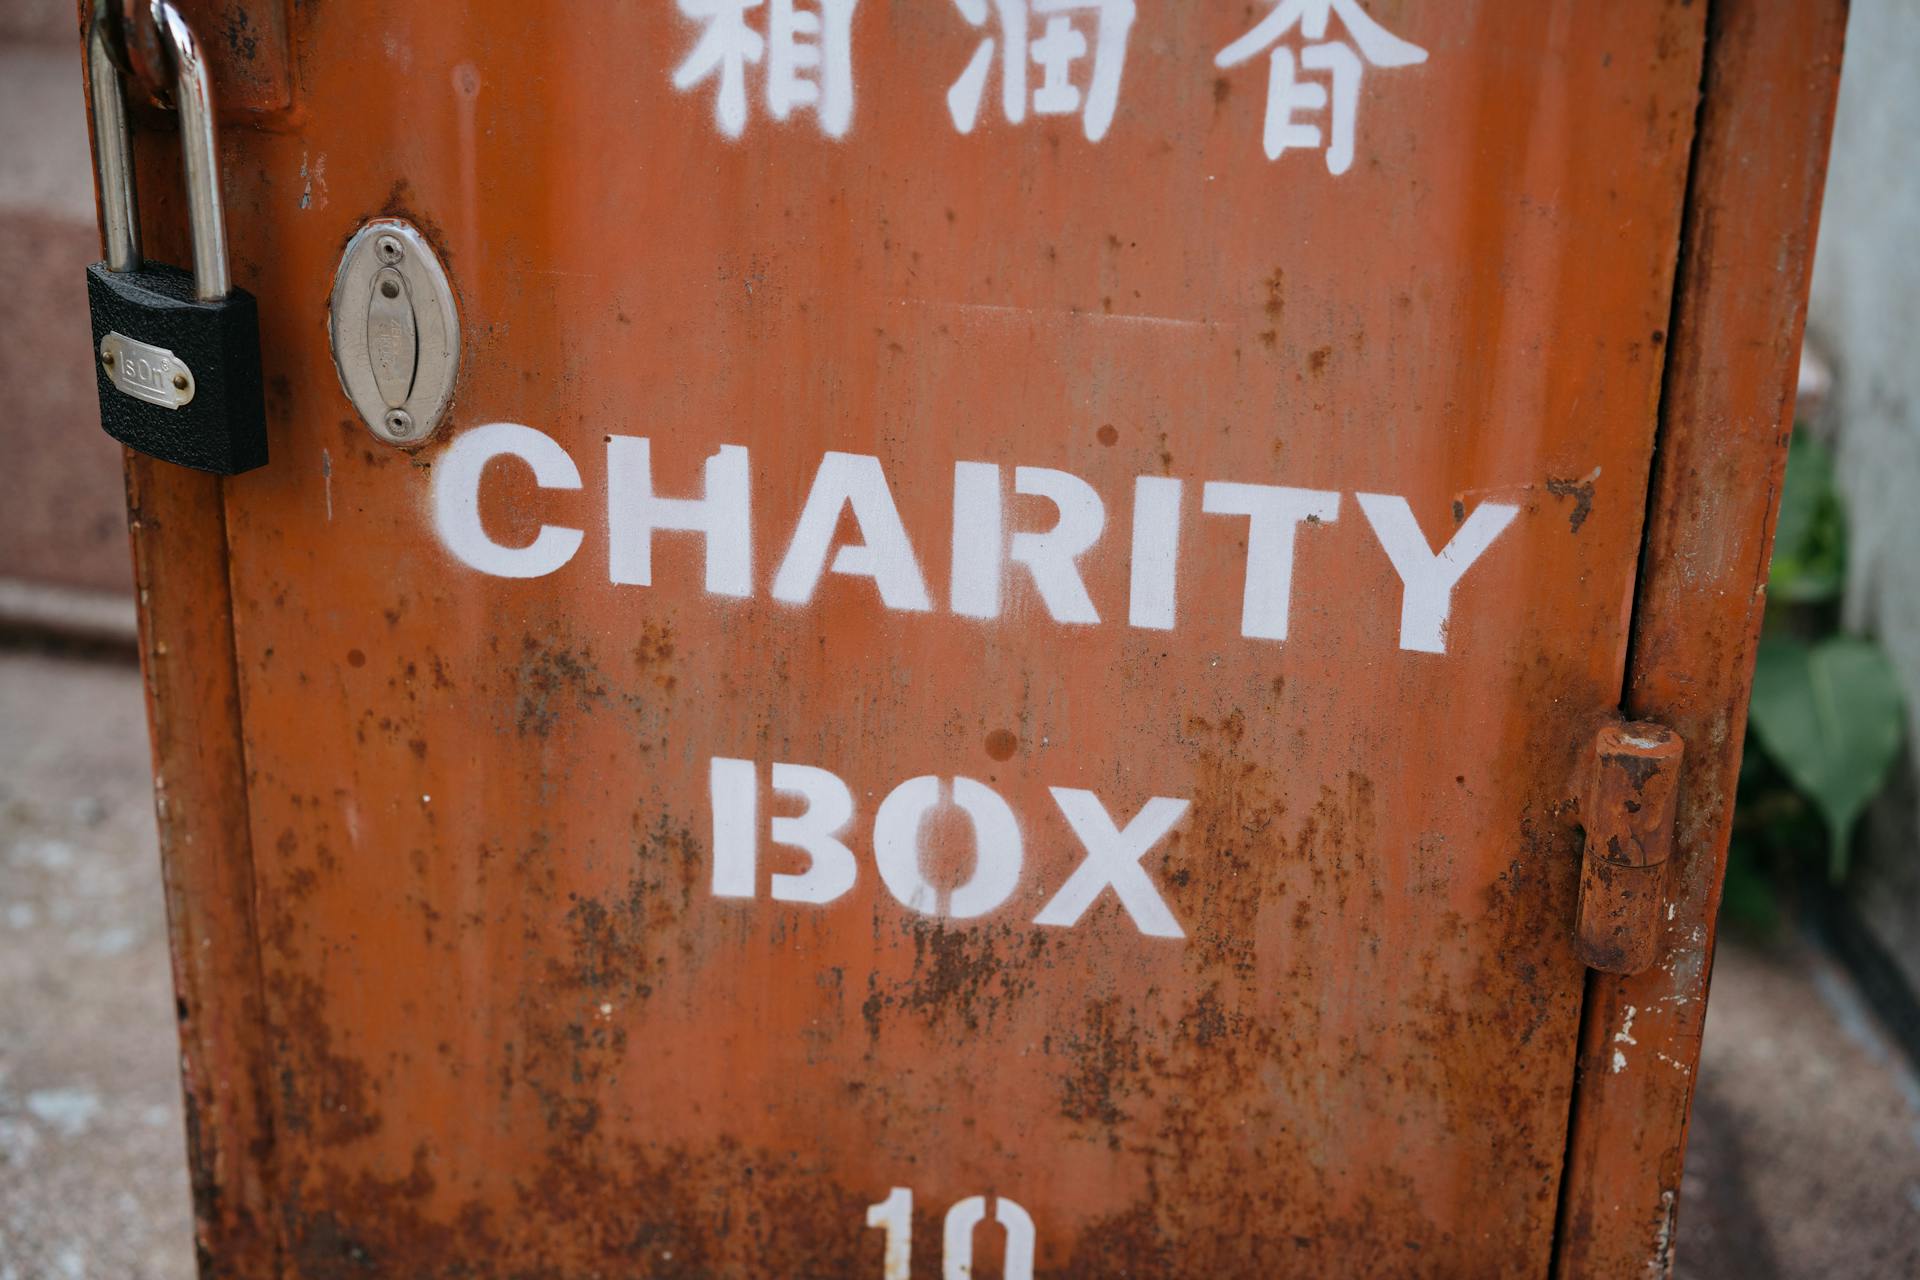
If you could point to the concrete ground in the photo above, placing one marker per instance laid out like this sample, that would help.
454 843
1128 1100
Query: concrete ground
1805 1160
92 1150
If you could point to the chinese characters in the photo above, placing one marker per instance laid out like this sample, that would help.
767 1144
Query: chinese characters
808 53
1060 44
1288 94
1049 58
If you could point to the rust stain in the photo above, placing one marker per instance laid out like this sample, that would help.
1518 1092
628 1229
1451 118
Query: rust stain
553 682
326 1095
1581 492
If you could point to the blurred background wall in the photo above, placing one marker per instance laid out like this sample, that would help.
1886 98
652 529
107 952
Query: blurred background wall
63 515
1864 322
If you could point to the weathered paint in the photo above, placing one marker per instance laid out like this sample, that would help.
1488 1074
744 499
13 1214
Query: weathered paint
510 1030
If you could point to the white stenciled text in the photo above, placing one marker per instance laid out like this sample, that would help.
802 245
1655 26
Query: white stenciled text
986 554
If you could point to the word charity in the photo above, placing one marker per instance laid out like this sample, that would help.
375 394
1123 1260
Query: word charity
984 553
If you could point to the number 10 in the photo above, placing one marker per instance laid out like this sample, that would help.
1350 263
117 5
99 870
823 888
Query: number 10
895 1216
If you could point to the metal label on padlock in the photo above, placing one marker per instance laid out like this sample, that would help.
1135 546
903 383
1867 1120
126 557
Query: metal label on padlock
146 372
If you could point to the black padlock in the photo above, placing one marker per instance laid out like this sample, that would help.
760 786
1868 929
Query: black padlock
177 355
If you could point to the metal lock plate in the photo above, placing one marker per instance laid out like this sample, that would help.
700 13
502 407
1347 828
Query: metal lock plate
146 372
395 331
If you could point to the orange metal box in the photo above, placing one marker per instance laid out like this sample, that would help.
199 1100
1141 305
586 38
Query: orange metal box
995 668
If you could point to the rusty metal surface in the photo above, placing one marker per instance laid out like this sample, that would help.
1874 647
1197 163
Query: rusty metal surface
244 42
509 1027
186 657
1754 205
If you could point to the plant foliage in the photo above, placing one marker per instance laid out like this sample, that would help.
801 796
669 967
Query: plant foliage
1827 709
1829 715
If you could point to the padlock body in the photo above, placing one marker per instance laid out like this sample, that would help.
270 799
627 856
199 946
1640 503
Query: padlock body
222 425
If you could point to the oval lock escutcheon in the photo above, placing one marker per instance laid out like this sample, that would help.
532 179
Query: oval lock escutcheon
395 331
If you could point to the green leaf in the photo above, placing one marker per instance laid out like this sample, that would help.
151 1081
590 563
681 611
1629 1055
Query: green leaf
1830 715
1809 482
1809 542
1747 897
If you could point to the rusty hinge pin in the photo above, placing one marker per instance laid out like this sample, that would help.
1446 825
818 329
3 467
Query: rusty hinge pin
1627 810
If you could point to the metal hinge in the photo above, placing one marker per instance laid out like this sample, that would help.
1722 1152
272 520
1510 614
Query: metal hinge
1627 809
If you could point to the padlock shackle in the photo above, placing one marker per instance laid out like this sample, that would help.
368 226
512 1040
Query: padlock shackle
199 152
112 154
